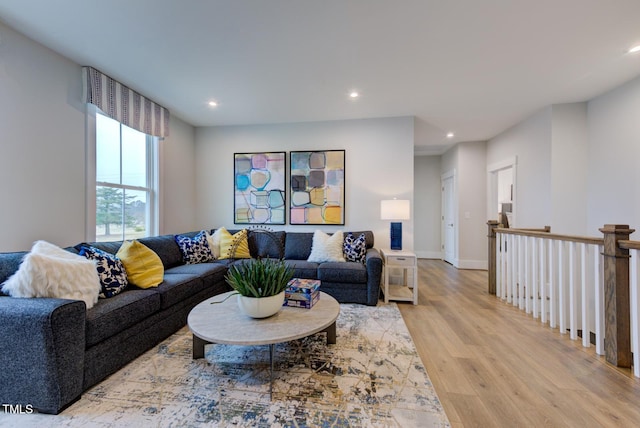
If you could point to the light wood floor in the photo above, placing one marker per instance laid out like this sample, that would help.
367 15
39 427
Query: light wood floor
494 366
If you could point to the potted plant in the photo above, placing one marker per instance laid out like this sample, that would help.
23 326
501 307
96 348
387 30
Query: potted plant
260 284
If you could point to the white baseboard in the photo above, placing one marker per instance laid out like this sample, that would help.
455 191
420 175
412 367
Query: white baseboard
458 263
472 264
429 254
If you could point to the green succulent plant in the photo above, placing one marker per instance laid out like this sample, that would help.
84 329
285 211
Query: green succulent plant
259 277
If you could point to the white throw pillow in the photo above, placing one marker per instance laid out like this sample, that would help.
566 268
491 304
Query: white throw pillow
50 271
326 248
214 242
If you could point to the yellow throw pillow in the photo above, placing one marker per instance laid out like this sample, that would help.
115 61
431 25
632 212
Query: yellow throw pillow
144 267
228 242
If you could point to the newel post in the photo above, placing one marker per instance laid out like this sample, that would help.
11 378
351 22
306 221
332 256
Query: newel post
617 342
492 255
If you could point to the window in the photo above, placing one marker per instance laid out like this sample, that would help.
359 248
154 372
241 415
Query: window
125 181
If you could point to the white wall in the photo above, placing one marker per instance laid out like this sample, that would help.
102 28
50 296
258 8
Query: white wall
379 165
530 142
614 154
42 150
569 169
178 179
427 209
468 160
42 145
472 205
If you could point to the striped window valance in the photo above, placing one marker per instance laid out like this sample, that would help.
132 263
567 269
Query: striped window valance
124 104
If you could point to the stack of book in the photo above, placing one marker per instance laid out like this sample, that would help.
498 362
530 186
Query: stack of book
302 293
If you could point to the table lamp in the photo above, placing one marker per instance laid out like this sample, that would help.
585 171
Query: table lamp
395 209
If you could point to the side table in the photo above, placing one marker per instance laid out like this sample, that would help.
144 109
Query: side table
408 262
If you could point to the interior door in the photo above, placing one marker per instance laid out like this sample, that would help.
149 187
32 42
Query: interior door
448 220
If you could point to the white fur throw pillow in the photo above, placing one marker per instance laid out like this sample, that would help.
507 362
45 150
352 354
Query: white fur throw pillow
50 271
326 248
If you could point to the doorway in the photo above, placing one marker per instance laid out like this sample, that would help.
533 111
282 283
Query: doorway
502 192
449 223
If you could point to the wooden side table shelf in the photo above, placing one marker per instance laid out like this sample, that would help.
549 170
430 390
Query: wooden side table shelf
408 262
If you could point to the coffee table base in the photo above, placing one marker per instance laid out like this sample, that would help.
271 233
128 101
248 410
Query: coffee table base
199 344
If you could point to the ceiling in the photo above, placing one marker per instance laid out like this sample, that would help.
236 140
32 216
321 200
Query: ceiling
470 67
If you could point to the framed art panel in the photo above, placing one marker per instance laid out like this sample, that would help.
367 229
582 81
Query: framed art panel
259 188
317 183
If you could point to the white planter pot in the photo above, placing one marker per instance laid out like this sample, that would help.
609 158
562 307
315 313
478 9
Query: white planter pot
261 307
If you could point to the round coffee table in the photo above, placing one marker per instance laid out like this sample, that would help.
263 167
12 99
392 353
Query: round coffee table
219 320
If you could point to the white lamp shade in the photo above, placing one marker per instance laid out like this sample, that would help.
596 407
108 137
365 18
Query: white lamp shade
395 209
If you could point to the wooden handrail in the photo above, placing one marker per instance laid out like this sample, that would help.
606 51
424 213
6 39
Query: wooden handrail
629 245
548 235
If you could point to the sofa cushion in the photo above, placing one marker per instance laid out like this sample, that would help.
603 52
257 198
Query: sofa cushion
368 236
266 244
194 250
111 316
166 248
9 264
297 245
203 270
303 269
144 267
349 272
177 287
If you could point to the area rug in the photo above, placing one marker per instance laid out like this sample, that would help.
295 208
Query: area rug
372 377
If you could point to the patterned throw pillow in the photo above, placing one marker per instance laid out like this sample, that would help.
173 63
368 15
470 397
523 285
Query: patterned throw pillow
111 271
195 250
234 246
355 249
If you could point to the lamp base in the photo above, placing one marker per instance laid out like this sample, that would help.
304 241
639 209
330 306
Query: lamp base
396 236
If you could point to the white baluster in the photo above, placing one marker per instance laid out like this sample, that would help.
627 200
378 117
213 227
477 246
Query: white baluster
586 318
498 265
504 267
553 281
514 271
527 274
520 273
599 299
562 288
534 270
635 307
510 268
573 293
544 268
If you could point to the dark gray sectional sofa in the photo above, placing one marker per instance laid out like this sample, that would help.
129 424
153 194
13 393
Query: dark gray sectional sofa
54 349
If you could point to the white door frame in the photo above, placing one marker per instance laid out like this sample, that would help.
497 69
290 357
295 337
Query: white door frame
449 175
492 187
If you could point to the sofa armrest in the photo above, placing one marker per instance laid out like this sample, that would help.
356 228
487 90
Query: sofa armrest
374 275
42 355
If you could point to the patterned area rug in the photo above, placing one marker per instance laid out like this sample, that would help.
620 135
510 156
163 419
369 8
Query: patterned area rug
372 377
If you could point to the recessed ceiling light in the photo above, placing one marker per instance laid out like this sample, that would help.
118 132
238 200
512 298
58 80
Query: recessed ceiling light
634 49
354 94
213 104
450 135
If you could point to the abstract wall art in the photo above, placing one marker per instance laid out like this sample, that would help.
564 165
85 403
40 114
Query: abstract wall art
317 187
259 188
